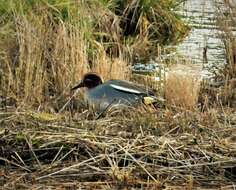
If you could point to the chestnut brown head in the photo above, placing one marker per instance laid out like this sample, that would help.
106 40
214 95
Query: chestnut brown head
89 80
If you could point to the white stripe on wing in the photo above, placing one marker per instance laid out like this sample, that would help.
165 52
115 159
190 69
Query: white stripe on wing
122 88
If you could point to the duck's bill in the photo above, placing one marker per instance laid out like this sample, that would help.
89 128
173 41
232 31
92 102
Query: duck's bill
80 85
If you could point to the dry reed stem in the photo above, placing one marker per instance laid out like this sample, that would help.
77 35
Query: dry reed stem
109 68
182 87
51 57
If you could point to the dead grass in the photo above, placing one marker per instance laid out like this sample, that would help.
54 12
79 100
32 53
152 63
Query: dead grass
116 68
182 87
173 148
44 56
47 46
135 149
50 59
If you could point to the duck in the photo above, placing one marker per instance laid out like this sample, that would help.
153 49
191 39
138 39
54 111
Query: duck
113 93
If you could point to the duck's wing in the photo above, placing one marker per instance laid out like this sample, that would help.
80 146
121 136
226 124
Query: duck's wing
130 87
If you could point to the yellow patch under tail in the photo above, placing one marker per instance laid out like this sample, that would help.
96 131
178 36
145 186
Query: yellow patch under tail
149 100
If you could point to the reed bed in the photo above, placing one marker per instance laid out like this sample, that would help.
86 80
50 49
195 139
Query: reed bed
50 140
164 149
46 46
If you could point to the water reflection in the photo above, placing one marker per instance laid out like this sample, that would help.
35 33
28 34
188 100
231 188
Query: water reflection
203 44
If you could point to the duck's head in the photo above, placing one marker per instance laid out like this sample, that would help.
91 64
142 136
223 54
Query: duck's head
89 80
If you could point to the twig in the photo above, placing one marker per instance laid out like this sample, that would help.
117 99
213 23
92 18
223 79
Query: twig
71 167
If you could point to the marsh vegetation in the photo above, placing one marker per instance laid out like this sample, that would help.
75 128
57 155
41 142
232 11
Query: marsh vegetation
50 139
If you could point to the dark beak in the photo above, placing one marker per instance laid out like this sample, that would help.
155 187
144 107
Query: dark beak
80 85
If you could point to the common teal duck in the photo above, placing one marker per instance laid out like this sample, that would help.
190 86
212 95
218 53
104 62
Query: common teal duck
101 95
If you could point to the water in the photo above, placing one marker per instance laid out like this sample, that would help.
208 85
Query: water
203 45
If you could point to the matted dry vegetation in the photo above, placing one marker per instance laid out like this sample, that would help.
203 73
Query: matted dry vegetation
50 140
136 149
